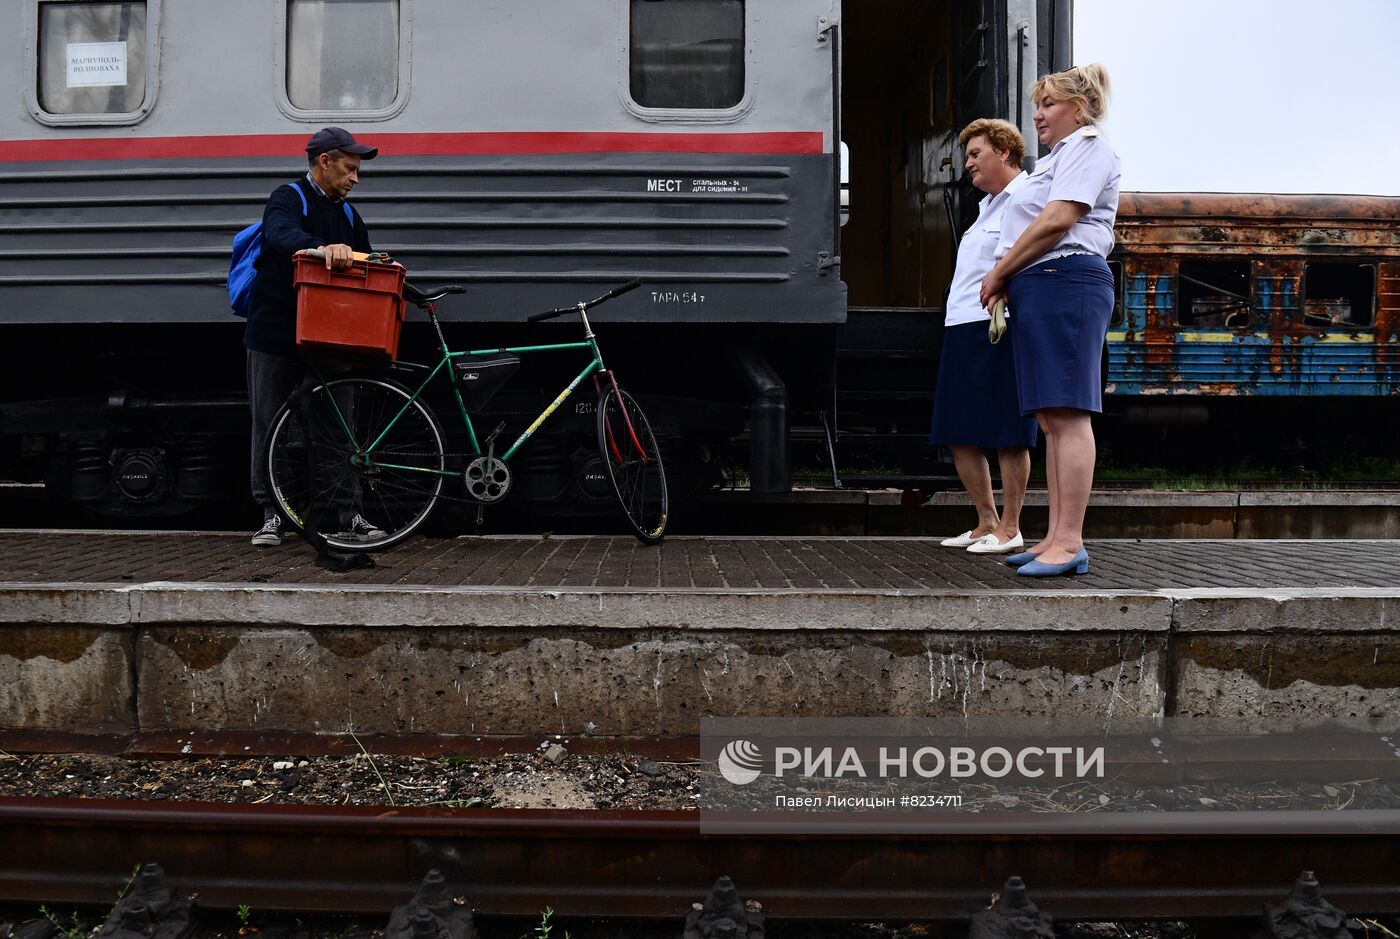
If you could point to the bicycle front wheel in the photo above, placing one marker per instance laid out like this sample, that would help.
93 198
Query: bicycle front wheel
633 461
321 467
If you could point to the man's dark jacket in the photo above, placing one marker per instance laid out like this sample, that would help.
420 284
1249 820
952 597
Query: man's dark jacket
272 317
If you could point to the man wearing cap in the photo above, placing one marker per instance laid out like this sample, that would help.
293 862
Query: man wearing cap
270 334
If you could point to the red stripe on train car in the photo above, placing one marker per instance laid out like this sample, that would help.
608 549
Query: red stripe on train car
460 144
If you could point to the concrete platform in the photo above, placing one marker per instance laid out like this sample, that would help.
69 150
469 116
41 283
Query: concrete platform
169 634
1113 513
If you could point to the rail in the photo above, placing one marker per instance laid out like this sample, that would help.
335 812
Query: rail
653 865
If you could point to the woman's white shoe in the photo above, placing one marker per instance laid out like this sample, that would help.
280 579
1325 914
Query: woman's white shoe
988 544
962 541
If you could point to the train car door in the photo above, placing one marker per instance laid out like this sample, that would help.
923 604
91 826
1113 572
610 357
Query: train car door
914 72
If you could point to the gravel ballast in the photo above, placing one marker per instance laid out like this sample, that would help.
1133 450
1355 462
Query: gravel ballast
553 778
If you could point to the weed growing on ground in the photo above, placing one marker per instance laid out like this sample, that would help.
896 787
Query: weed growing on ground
372 765
74 929
129 881
543 930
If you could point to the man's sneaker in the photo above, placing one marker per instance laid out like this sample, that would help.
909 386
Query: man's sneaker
270 535
362 530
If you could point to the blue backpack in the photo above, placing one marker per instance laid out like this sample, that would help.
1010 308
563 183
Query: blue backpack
243 265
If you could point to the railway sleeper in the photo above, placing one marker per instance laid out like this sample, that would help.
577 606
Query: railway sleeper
1306 914
152 907
1012 916
437 911
724 915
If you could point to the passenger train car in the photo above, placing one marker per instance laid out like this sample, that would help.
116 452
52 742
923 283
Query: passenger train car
536 151
1258 309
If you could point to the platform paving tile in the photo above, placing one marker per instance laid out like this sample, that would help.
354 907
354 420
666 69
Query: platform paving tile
615 568
760 566
556 567
674 570
837 568
428 558
704 572
731 567
785 564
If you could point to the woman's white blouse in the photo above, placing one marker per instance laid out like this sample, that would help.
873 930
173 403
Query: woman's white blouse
976 258
1081 168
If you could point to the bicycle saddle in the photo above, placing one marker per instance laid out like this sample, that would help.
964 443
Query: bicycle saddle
421 298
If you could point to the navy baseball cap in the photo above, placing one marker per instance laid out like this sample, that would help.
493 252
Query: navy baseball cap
338 138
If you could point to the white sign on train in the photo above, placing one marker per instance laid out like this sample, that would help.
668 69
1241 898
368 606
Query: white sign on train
96 64
675 296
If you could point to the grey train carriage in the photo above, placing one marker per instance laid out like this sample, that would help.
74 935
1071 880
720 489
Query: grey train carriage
536 151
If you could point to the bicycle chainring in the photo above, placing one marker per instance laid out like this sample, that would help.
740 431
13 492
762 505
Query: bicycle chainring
488 479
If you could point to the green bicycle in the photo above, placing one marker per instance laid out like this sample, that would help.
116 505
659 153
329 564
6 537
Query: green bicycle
370 447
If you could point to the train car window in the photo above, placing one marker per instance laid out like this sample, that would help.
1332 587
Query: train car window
1339 294
342 55
1116 267
91 58
1213 294
687 54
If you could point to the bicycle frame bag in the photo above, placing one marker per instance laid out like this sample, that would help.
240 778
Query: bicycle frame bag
243 262
481 376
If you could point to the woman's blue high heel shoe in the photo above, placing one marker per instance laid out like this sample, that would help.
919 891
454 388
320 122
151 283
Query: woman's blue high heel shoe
1016 560
1079 564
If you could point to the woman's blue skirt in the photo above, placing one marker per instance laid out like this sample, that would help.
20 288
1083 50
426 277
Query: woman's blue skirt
1059 317
974 403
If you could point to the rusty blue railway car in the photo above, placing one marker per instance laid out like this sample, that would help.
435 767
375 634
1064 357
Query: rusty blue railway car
1289 300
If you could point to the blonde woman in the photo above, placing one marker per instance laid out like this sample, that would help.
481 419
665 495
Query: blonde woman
1051 269
974 405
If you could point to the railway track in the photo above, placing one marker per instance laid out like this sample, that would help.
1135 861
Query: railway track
653 865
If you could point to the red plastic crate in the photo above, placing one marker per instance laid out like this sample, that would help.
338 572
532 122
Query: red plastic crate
357 311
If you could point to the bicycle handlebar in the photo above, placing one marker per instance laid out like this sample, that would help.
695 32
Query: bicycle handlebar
615 292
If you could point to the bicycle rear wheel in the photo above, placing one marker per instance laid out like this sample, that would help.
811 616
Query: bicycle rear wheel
359 501
628 449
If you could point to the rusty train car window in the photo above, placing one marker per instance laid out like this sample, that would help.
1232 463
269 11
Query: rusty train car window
686 54
1339 294
92 58
342 55
1213 294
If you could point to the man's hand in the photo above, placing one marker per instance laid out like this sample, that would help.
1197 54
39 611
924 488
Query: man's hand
338 257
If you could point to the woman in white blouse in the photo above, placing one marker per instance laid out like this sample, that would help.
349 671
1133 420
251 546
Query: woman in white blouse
975 408
1051 270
